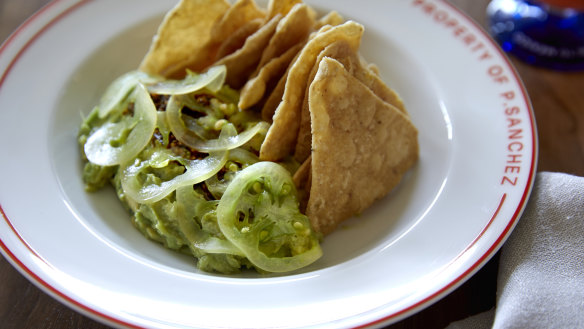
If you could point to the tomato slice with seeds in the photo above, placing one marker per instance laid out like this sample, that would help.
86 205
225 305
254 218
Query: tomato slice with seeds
259 214
116 143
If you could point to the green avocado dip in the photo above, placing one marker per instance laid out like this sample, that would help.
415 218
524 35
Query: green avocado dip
183 160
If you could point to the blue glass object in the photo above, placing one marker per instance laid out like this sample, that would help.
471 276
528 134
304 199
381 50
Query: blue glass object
539 33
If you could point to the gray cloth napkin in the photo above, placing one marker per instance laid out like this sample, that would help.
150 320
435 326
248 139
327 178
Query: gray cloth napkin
540 283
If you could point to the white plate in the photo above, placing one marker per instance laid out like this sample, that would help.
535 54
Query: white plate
452 212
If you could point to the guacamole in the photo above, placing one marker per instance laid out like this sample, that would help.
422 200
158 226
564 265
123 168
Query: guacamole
183 160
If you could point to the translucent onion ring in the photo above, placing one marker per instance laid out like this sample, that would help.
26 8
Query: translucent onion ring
192 139
115 94
196 171
211 80
100 147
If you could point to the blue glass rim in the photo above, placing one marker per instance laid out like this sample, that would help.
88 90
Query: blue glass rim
532 32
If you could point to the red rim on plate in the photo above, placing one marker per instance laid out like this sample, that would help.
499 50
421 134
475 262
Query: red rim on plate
438 11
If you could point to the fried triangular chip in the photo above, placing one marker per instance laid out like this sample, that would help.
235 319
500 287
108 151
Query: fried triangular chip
369 75
281 137
373 68
362 146
184 31
333 18
281 7
238 15
242 63
237 39
233 21
302 180
254 89
292 29
342 51
273 100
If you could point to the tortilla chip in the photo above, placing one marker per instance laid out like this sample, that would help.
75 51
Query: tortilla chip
281 7
281 137
355 65
275 98
362 146
302 180
270 74
226 34
373 69
332 18
343 52
272 102
238 15
294 28
374 82
237 39
241 64
185 30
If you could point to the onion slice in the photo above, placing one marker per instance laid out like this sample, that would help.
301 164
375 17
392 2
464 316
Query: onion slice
212 80
115 94
228 139
116 143
196 171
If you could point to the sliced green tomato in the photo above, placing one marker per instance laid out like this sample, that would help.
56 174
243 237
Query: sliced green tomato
211 80
245 158
259 214
227 140
116 143
162 126
195 172
114 96
188 207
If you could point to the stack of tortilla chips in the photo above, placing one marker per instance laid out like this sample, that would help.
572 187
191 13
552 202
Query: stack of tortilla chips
327 107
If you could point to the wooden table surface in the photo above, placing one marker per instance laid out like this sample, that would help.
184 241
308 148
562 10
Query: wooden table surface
558 102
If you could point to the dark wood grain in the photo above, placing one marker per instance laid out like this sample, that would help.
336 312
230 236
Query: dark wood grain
558 102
